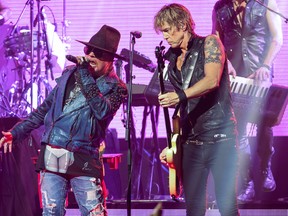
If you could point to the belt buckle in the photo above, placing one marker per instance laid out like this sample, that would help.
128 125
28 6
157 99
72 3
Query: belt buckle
194 142
197 142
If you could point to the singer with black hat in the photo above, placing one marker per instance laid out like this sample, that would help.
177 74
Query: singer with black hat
76 115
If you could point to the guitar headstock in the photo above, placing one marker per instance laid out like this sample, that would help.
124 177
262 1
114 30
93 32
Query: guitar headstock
159 53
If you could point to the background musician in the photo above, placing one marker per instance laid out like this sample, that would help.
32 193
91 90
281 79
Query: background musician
252 37
207 119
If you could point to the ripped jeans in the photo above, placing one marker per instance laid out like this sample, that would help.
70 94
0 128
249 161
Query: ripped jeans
88 192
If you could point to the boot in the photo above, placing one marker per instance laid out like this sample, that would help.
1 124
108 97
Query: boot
248 194
268 182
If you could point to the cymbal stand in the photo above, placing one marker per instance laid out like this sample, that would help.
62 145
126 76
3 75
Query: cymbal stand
48 63
31 3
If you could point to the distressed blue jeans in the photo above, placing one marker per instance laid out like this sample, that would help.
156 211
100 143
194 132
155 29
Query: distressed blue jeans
88 192
198 160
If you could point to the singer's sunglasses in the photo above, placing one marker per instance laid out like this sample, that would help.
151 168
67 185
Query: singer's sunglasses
98 54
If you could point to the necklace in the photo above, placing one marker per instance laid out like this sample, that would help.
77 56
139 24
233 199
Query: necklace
73 94
239 9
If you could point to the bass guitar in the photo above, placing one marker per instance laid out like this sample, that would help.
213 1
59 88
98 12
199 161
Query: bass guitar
173 153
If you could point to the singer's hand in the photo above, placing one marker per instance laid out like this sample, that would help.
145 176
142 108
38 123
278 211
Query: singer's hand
83 61
6 141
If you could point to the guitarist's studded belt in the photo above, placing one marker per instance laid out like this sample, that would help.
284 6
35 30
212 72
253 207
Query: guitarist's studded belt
198 142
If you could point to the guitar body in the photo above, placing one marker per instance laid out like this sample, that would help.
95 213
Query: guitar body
173 156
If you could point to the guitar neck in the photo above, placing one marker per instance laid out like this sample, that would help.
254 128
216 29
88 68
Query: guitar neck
168 126
166 111
176 120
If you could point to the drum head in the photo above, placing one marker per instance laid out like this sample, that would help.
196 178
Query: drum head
20 42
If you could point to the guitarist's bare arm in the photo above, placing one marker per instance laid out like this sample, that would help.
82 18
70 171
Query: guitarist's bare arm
213 67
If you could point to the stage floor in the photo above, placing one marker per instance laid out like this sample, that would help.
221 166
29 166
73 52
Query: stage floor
179 212
172 208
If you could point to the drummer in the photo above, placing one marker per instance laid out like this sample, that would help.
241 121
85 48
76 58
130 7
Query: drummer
5 13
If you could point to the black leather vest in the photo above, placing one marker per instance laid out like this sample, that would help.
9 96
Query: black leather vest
246 47
202 117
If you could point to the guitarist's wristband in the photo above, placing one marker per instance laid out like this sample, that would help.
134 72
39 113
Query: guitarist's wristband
266 66
182 96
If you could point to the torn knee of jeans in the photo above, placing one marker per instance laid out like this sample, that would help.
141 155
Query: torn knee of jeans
51 205
99 210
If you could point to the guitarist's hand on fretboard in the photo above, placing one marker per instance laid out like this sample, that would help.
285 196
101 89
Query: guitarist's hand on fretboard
168 99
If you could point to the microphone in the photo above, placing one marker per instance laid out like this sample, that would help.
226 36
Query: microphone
72 59
136 34
76 60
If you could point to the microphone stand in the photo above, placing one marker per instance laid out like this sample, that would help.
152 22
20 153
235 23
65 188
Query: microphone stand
273 11
128 124
31 50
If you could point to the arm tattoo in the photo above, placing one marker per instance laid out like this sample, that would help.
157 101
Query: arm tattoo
213 50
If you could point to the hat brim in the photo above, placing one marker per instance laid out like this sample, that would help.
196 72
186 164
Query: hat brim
115 55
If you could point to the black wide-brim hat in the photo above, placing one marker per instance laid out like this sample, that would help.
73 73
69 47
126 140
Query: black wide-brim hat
106 41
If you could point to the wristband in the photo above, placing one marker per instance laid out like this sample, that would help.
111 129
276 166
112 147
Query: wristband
182 96
266 66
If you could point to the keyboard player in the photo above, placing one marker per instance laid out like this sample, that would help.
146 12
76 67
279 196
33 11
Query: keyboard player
252 36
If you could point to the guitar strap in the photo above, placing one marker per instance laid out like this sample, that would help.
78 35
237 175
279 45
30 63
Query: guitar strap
186 80
194 56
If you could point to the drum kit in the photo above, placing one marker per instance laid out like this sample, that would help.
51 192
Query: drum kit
21 79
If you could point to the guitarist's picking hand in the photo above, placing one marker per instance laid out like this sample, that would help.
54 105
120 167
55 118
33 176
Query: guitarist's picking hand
162 156
168 99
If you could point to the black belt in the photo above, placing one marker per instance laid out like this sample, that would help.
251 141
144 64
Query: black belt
198 142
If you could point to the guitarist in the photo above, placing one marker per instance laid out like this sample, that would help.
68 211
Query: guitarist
198 71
